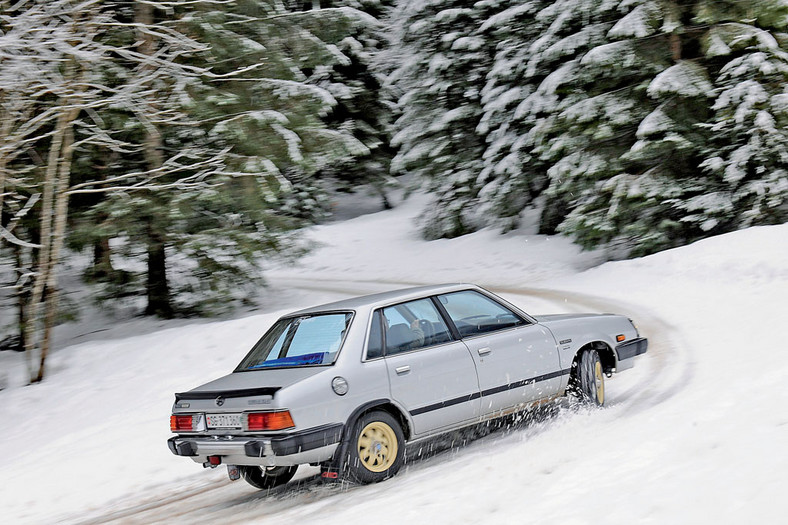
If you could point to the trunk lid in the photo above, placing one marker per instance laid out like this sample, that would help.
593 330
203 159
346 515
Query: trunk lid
264 384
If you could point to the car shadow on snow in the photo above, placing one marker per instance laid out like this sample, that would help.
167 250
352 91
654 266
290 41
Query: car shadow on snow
426 452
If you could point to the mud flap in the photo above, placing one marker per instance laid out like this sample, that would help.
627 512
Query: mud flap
329 475
233 472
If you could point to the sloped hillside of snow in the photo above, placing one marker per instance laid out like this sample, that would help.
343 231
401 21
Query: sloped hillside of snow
695 433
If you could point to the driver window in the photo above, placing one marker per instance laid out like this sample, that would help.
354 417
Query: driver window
474 313
413 325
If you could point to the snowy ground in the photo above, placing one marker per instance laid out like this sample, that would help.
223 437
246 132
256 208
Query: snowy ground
696 433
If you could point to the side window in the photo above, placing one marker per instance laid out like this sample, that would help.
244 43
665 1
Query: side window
375 343
474 313
413 325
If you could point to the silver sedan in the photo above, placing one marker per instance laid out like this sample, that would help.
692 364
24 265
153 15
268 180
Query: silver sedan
346 385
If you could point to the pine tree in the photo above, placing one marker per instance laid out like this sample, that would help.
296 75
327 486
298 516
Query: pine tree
364 104
650 123
747 158
63 48
265 103
512 177
445 62
658 196
586 110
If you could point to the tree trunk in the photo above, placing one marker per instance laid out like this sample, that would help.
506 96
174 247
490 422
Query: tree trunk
158 290
44 259
675 46
5 130
58 237
102 261
21 298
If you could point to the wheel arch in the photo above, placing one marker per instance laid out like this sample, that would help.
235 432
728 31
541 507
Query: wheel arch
606 355
385 405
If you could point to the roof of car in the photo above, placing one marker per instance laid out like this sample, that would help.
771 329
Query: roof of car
386 298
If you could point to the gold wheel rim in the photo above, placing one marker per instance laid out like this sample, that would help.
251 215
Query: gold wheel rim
377 447
600 383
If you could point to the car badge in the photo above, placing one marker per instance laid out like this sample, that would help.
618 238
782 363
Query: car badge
219 401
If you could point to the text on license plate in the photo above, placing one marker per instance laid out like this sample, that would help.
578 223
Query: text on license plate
223 420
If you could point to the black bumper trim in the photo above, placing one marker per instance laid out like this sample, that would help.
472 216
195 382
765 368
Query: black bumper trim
298 442
184 448
632 348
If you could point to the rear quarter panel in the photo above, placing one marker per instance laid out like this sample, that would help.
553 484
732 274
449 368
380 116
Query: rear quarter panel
313 402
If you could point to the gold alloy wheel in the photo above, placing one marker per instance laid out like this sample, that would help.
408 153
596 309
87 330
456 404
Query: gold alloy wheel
377 447
600 383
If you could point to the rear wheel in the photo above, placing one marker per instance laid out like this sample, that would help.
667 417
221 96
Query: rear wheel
588 378
377 448
267 477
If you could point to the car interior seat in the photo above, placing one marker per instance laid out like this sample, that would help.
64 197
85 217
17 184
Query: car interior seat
398 337
429 331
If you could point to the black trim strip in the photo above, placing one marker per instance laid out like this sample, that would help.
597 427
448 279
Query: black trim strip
213 394
488 392
632 348
444 404
524 382
183 448
298 442
309 440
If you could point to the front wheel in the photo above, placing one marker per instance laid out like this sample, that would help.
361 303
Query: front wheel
588 378
267 477
377 448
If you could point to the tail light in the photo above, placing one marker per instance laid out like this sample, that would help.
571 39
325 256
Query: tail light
187 423
280 420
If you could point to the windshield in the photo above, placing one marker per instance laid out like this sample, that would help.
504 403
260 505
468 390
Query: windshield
308 340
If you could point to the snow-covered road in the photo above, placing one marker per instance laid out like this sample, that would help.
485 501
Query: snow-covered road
695 433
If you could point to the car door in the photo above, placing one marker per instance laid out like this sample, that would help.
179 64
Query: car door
516 360
430 374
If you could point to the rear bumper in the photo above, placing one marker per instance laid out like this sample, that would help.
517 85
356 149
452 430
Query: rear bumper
632 348
308 446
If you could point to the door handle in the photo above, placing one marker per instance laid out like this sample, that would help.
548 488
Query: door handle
484 351
402 370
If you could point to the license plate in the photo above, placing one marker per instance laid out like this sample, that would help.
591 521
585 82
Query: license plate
223 420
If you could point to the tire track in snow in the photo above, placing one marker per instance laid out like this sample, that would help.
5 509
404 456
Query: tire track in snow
670 367
666 370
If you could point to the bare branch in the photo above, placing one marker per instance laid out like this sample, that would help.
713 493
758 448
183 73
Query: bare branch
10 237
18 216
170 167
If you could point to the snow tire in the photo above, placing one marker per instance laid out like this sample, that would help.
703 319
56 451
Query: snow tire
267 477
588 379
377 448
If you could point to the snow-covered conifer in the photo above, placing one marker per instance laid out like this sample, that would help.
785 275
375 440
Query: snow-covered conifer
710 154
445 59
512 176
747 157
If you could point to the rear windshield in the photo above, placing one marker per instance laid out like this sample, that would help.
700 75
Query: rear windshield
309 340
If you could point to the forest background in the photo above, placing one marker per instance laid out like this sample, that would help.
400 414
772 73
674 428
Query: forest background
172 147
